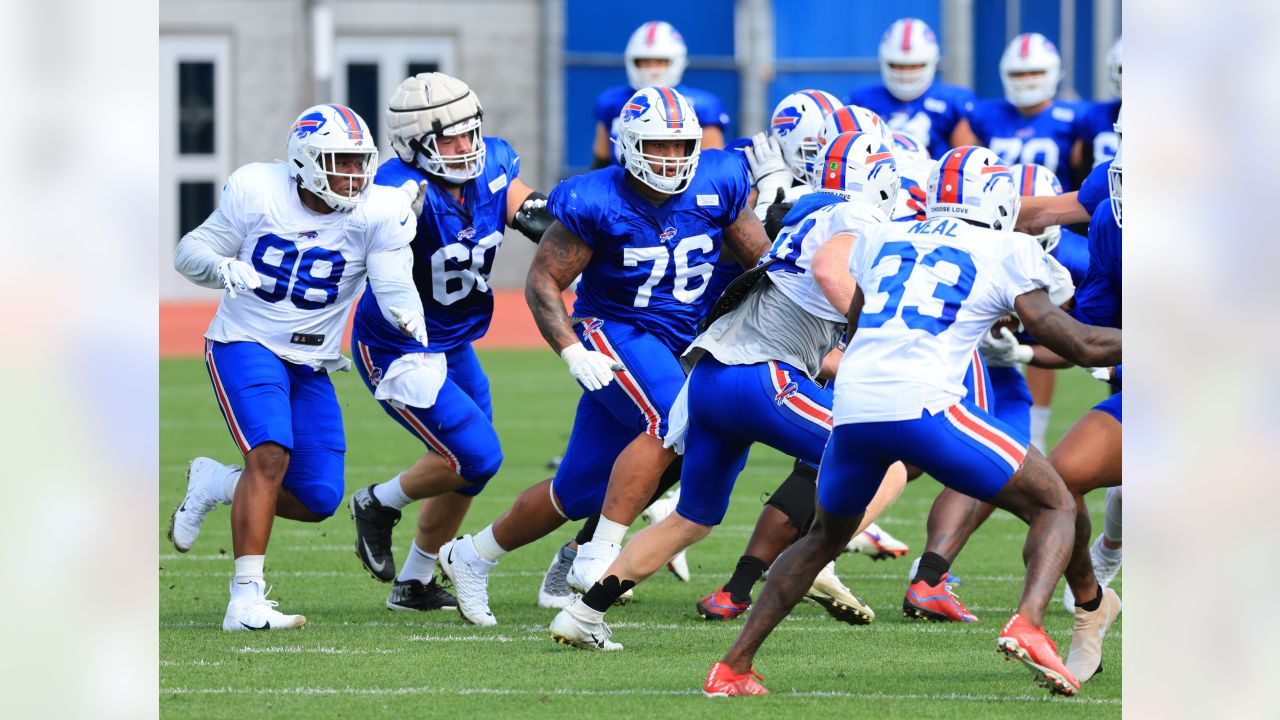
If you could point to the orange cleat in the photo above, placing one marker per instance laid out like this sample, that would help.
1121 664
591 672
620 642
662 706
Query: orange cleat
720 605
723 682
1021 641
935 602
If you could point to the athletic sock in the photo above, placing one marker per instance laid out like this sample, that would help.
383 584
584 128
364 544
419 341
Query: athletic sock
229 484
1112 525
609 531
420 565
933 567
391 494
748 572
1039 425
603 594
487 546
1093 604
248 580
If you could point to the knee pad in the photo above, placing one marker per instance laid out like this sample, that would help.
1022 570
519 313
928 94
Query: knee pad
478 471
796 497
315 477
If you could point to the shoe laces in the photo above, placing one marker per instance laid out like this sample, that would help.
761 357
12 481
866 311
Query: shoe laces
556 581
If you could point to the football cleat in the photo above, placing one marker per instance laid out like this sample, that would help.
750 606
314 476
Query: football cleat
876 544
1019 640
952 580
656 513
555 592
1104 569
679 566
415 595
720 605
1084 657
593 559
723 682
256 612
186 519
579 626
470 576
837 600
935 602
373 533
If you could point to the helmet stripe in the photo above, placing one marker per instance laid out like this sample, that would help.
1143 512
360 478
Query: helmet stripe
822 101
653 30
1026 45
953 174
906 36
673 107
834 179
354 131
1028 180
846 121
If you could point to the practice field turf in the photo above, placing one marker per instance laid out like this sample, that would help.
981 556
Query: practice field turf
357 659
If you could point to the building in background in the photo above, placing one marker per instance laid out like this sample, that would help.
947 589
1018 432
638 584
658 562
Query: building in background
235 73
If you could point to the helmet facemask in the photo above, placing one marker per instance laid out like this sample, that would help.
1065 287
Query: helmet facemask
642 165
457 168
1115 176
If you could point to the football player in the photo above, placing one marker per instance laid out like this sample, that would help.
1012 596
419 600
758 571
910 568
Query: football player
292 244
898 398
1095 138
655 56
470 191
909 98
644 237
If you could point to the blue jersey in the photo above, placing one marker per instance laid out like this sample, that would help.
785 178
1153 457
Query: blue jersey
453 254
1045 138
1095 127
931 117
706 106
651 265
1098 298
1072 251
1095 189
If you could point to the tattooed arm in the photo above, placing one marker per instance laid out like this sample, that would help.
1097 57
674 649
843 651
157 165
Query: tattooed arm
1086 345
561 257
746 238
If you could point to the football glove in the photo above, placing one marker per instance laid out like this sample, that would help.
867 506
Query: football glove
238 277
533 218
418 199
593 369
1003 350
774 214
768 170
410 323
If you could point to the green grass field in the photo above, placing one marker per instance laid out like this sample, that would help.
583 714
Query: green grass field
357 659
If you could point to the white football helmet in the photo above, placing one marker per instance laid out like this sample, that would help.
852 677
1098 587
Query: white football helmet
657 40
1032 180
317 137
858 164
909 41
1114 67
854 118
796 123
907 148
1030 53
1115 173
659 113
426 107
971 184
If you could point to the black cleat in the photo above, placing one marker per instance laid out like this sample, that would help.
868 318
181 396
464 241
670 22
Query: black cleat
373 533
413 595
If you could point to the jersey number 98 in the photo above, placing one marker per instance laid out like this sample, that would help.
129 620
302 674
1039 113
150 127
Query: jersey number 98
318 272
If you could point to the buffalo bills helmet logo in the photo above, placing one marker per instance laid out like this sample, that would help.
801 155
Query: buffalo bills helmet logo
310 234
467 233
635 107
667 234
308 124
786 120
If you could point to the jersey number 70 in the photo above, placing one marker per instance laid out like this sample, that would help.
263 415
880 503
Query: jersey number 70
895 285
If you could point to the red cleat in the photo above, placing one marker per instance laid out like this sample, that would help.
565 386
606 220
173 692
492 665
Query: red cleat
1021 641
723 682
719 605
935 602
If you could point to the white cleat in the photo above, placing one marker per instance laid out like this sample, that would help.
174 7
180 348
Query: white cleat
555 592
839 602
656 513
594 558
204 480
679 566
470 575
876 544
1104 569
579 626
255 612
1084 657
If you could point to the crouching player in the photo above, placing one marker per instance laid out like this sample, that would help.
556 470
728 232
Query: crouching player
292 244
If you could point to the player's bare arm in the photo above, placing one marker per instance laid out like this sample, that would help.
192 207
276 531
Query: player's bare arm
600 150
854 312
1041 211
561 257
1086 345
831 270
712 138
745 237
963 134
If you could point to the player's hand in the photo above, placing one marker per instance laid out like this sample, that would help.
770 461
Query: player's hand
1002 349
419 199
768 169
917 201
411 323
774 214
593 369
238 277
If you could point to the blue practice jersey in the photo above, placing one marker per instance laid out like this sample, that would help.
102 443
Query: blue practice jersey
1098 298
1095 189
1096 128
1072 251
931 117
706 106
1044 139
453 253
651 265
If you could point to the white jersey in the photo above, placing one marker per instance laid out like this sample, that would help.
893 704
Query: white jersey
913 173
931 289
799 241
312 265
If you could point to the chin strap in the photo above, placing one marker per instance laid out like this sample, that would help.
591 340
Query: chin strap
533 219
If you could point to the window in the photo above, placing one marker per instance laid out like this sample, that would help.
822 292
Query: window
362 94
195 203
369 69
196 108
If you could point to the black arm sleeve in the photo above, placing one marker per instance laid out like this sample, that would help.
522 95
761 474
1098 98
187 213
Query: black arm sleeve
532 219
